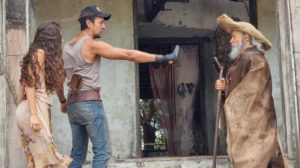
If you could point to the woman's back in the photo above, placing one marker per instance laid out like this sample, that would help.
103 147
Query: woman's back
41 72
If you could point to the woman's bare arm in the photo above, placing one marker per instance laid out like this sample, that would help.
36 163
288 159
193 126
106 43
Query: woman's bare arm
22 95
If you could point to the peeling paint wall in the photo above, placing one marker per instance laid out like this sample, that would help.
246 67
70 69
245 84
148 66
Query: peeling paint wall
118 78
267 25
194 19
16 47
198 14
288 21
2 91
186 70
295 19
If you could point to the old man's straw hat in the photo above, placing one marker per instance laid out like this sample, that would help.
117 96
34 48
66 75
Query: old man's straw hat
230 25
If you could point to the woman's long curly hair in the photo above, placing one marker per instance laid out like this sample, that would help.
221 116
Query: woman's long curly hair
49 39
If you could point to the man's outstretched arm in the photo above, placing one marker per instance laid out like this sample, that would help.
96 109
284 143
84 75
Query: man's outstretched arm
107 51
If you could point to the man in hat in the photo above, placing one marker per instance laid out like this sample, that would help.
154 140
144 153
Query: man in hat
252 136
82 55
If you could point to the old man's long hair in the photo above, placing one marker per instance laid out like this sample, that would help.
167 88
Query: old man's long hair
48 38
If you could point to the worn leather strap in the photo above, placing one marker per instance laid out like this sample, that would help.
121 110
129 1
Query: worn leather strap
78 96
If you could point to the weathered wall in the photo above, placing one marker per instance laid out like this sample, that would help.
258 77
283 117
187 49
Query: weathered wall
267 24
2 91
118 78
295 19
15 46
193 19
288 18
198 14
186 70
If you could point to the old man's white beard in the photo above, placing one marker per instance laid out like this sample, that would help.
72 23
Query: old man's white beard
235 51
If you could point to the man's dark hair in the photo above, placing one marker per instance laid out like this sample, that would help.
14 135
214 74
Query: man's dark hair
83 25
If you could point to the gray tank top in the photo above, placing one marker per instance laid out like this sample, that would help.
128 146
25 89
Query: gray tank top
75 64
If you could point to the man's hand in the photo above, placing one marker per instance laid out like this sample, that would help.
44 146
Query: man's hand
220 84
174 55
63 107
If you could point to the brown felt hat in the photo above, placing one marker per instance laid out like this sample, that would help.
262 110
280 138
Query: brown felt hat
230 25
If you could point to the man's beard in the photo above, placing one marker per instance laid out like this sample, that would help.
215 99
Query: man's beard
235 51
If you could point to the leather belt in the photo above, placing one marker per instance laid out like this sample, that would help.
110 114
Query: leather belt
85 95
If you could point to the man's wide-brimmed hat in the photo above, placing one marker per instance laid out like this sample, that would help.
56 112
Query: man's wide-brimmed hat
230 25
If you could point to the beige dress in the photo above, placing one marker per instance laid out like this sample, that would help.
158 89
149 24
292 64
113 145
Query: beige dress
38 146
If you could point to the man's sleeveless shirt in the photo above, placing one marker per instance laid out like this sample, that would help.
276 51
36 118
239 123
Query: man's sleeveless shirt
75 64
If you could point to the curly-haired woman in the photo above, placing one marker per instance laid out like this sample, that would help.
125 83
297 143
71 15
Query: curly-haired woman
41 73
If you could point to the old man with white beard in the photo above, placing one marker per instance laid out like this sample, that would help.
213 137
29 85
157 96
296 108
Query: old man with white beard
251 126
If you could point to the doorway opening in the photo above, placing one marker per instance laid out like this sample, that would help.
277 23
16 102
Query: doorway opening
180 127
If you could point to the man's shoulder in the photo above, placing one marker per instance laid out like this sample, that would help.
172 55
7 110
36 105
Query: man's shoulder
253 54
89 41
254 58
97 44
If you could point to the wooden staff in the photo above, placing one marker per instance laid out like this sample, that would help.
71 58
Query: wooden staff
217 112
